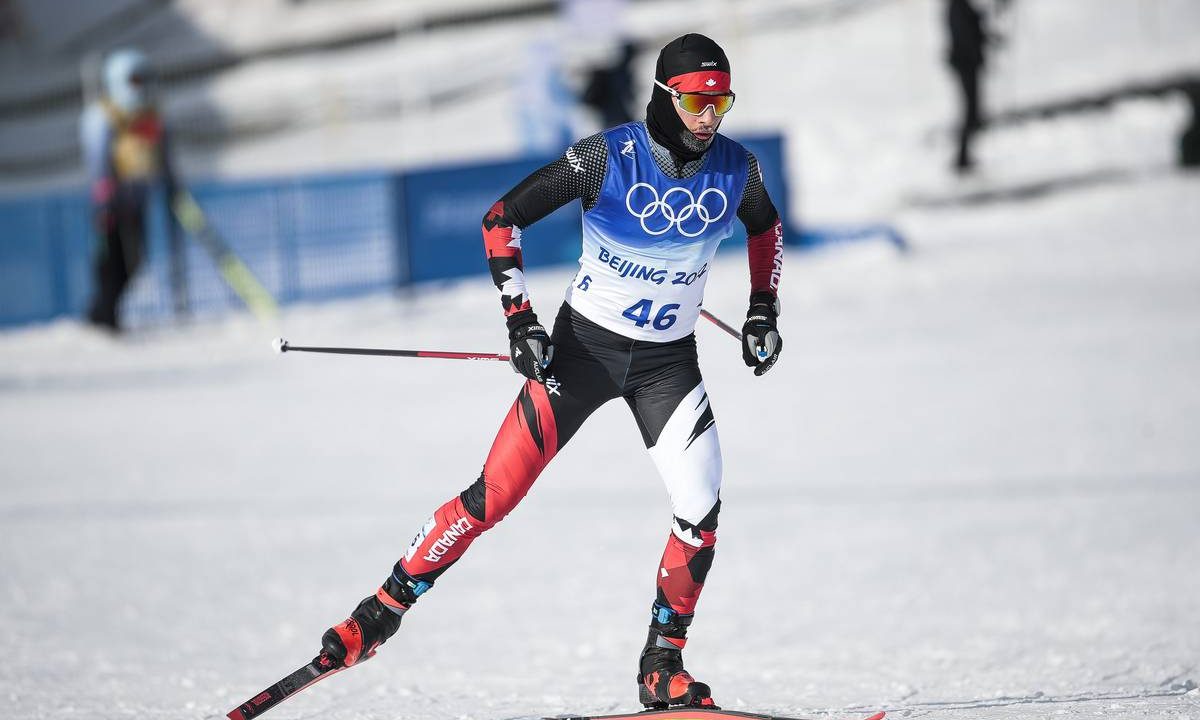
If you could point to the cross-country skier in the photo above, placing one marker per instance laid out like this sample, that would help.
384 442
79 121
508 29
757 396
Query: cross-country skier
658 197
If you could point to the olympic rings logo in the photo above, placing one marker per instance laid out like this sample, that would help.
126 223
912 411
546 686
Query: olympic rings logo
694 212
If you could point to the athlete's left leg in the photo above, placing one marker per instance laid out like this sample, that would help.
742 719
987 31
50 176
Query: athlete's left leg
687 453
677 424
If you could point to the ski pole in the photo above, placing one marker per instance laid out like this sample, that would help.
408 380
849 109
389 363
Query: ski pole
282 346
720 323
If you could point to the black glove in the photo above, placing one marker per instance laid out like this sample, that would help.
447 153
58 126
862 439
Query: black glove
761 343
530 344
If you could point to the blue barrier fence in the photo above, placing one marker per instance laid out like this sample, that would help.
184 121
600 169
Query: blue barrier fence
309 238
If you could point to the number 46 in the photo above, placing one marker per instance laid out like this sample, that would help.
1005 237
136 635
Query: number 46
639 313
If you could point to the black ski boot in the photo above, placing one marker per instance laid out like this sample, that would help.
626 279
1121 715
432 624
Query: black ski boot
662 681
375 619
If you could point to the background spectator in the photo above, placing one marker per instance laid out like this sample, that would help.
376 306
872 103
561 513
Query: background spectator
609 88
125 151
967 39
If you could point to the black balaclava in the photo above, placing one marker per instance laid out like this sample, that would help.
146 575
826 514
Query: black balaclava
691 63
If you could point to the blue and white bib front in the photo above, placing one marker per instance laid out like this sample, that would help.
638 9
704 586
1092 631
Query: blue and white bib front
650 239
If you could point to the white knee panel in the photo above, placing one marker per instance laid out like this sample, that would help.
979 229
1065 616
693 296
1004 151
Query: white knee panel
688 457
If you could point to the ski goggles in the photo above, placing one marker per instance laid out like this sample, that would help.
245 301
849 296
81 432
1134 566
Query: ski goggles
697 103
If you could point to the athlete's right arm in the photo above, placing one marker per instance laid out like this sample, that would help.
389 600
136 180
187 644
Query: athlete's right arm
579 173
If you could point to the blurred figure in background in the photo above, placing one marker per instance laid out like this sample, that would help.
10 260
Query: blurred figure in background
610 88
1189 142
125 153
968 37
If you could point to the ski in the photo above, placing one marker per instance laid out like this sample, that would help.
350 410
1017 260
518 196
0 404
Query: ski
321 667
233 271
689 713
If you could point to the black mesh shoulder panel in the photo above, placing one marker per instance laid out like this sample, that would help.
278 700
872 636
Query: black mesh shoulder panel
578 173
756 212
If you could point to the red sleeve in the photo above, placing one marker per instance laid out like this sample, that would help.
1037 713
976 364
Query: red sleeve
577 174
766 258
502 242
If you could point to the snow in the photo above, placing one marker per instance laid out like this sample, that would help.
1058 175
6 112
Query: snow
968 490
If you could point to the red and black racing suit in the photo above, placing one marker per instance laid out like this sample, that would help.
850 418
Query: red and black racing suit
660 382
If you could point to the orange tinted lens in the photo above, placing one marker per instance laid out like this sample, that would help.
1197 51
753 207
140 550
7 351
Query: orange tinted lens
695 103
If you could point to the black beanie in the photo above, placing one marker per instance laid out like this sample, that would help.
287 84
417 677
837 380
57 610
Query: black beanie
691 63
